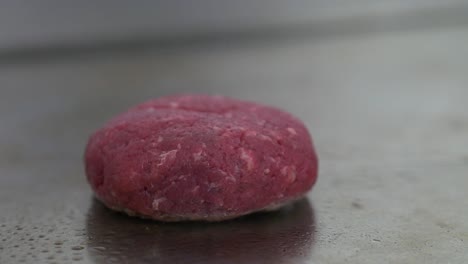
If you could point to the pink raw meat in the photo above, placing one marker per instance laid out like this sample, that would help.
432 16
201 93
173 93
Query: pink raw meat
200 158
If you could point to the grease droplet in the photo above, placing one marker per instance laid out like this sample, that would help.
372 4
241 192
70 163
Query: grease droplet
77 248
99 248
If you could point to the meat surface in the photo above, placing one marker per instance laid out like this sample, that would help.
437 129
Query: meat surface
200 158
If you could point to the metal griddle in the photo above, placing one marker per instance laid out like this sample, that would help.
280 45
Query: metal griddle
388 111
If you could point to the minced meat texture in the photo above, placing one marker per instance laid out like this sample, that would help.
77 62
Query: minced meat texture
200 158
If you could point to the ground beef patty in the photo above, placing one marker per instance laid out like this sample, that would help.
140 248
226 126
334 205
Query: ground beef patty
200 158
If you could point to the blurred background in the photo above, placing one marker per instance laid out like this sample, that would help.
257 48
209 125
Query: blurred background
382 86
54 23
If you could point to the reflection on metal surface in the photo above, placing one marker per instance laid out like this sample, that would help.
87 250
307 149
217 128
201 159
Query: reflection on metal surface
274 237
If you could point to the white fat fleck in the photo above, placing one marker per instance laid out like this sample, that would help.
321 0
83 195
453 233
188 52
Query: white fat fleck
203 145
196 188
247 157
292 174
169 118
226 133
266 171
266 138
157 202
150 110
276 135
292 131
197 155
289 172
228 115
212 186
170 155
228 176
173 104
231 178
251 133
155 153
179 146
160 139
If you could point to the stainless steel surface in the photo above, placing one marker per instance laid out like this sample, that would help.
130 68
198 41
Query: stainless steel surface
387 110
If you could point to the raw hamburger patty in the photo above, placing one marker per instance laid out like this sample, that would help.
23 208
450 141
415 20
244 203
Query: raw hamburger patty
200 158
